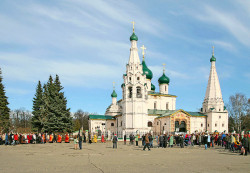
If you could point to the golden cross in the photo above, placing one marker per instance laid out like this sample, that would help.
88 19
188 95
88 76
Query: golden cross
114 85
133 26
143 49
164 67
213 50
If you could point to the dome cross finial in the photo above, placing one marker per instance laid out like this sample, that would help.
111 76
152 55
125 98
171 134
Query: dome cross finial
213 50
113 85
133 26
164 67
143 51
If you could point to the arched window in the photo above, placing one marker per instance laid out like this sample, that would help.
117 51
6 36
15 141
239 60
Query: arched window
165 88
138 92
201 125
155 104
150 124
215 125
112 124
130 92
167 106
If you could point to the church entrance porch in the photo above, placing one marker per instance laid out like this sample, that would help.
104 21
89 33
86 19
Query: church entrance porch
180 122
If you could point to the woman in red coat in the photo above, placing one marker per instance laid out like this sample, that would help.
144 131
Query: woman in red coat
66 138
15 138
59 139
103 140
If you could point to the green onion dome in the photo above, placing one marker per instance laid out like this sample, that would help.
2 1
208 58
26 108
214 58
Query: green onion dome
152 87
146 70
133 37
212 59
123 85
163 79
113 94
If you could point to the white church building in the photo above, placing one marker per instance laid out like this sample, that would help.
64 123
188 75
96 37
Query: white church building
142 109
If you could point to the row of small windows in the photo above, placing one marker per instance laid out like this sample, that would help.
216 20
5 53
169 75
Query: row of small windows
155 105
215 125
138 78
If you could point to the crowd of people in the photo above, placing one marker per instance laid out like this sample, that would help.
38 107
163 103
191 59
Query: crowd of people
232 142
32 138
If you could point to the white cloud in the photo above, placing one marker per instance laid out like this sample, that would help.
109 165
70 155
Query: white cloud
228 21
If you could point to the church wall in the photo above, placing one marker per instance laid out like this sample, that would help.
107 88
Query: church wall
161 102
95 125
162 125
198 124
217 121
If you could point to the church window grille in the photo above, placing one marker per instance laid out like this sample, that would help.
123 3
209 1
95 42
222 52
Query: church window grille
129 78
167 106
138 92
215 125
112 124
157 123
201 125
138 78
222 125
150 124
155 104
130 92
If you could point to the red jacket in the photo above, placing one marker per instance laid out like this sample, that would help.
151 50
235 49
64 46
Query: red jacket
16 137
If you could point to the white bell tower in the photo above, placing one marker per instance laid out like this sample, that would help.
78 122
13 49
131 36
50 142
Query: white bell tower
134 115
213 105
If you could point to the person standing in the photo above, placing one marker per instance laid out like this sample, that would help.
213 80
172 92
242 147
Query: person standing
171 141
75 142
199 139
115 139
245 144
125 139
182 141
146 143
80 141
102 140
208 140
205 140
136 139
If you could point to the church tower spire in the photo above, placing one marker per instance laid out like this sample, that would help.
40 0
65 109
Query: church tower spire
213 98
134 57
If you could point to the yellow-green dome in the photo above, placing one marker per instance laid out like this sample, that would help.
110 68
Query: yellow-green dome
163 79
146 70
133 37
152 87
113 94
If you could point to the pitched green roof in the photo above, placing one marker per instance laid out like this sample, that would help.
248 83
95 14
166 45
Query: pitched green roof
160 94
101 117
164 113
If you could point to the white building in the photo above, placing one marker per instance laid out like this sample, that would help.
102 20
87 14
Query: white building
142 110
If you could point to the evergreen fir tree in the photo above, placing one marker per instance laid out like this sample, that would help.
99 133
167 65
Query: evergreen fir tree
4 110
37 104
58 116
65 119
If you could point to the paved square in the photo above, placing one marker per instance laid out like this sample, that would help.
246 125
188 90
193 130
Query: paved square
98 158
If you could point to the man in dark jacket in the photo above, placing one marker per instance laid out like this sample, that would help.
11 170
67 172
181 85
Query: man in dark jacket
181 141
245 144
115 139
125 139
80 141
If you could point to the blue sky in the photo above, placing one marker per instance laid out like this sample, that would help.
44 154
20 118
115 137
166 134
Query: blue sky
87 44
